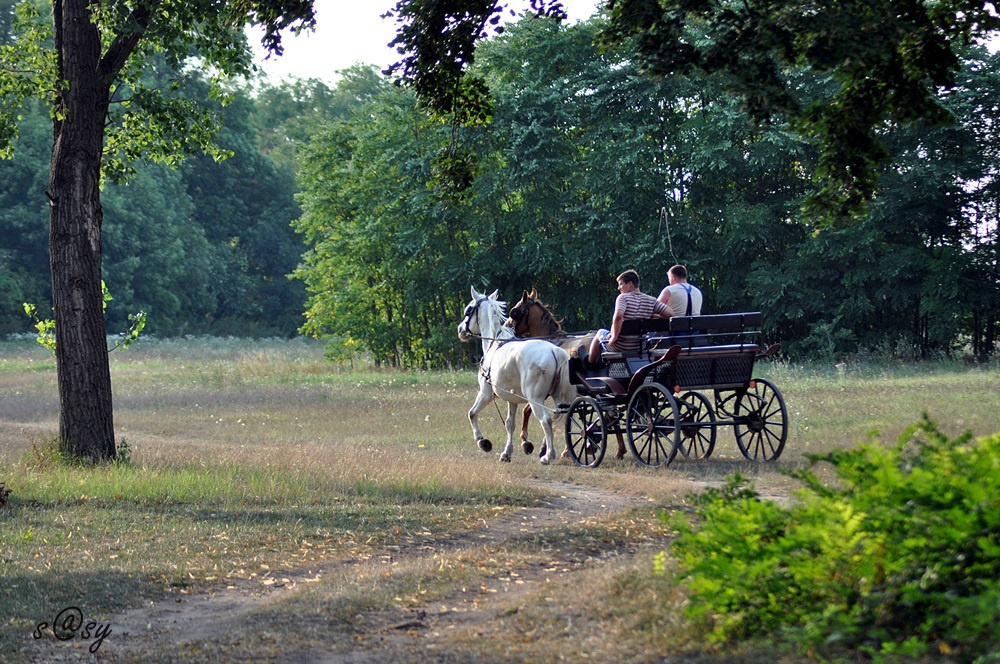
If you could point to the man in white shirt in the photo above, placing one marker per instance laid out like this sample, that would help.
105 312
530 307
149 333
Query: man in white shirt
681 298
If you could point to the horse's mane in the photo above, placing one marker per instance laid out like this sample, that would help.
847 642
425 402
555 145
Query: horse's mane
547 314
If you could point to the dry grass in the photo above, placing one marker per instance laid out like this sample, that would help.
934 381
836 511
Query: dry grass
248 457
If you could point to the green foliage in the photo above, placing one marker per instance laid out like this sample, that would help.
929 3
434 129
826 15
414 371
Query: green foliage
27 66
46 328
123 457
387 250
899 558
887 61
562 189
204 246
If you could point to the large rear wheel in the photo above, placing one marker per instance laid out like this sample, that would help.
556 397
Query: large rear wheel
586 438
761 421
651 425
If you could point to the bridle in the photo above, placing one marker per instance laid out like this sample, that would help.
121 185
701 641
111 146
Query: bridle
519 317
471 311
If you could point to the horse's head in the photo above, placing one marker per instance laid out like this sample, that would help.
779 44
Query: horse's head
482 315
531 318
519 315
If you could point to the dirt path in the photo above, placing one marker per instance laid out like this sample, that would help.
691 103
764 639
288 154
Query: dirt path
191 626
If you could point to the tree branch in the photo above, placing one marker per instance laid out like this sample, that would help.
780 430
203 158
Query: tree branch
127 39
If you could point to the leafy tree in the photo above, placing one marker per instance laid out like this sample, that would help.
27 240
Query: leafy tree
918 274
576 160
155 259
387 254
244 206
888 60
86 60
288 115
24 254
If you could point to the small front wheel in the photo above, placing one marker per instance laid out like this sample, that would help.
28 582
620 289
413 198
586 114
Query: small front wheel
651 424
586 439
761 421
698 428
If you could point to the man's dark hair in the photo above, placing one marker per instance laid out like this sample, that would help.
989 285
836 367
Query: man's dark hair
629 277
679 271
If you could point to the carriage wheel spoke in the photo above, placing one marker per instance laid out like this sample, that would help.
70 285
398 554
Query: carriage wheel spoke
585 432
762 422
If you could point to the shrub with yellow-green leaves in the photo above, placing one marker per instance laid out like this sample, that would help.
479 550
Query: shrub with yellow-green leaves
898 558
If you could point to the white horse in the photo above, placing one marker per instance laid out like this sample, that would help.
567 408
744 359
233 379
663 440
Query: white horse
521 371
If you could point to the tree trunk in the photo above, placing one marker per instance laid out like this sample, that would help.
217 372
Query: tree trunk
86 425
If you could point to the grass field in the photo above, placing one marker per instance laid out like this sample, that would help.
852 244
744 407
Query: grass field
251 457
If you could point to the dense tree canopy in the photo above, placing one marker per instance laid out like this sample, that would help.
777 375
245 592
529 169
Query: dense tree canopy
566 184
886 62
586 167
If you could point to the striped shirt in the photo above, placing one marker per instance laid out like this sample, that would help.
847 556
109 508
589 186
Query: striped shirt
632 306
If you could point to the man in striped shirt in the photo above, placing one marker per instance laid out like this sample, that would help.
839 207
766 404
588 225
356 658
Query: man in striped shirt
630 304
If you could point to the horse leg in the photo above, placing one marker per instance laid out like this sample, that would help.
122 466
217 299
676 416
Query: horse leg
526 445
545 419
620 454
509 424
483 399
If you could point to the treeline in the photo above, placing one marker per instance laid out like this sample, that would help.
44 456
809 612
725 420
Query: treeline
564 187
204 247
585 168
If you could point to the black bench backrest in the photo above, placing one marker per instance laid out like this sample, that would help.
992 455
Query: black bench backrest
734 323
637 327
710 330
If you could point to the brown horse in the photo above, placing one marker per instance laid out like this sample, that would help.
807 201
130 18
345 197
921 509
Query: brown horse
531 318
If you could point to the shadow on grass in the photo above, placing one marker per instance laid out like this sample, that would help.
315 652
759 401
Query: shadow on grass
61 608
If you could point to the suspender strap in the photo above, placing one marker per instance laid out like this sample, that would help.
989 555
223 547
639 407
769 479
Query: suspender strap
688 289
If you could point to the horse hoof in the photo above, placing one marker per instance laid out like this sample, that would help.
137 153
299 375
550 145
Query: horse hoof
528 447
545 461
485 445
504 458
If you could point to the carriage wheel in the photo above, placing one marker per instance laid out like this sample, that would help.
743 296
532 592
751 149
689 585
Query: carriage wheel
651 424
761 421
698 428
586 438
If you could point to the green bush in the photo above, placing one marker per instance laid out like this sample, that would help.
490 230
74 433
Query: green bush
899 558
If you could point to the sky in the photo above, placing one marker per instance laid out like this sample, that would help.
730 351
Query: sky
351 32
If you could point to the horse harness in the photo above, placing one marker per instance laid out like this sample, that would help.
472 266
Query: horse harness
520 316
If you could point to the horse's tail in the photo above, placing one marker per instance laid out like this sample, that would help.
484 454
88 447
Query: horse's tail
563 390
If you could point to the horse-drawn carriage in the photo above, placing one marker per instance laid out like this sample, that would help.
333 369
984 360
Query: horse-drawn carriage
656 397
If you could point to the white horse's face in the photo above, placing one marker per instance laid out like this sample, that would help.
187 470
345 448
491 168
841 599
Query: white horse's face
469 326
475 312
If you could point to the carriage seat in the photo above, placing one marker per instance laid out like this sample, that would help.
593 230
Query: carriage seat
710 331
637 330
708 351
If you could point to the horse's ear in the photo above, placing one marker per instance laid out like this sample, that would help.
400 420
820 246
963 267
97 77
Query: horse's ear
475 295
494 294
534 294
524 296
